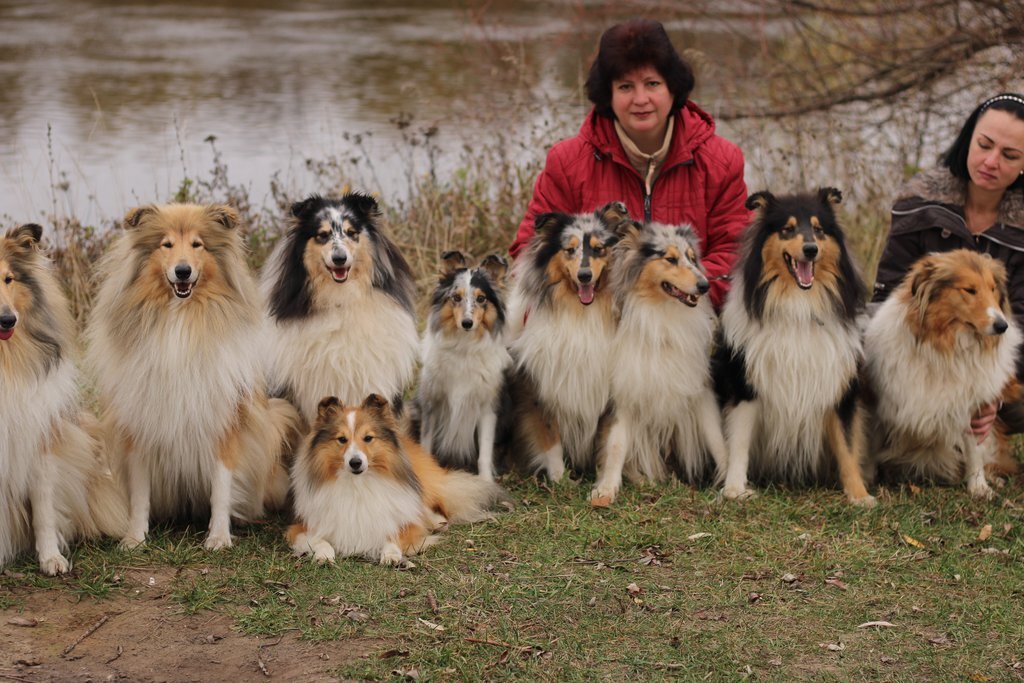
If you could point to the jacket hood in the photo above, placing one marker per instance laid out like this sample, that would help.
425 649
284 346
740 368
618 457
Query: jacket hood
693 127
940 186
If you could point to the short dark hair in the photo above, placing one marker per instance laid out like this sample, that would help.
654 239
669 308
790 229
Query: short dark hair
955 158
631 45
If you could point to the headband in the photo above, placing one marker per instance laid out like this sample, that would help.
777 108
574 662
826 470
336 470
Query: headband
999 98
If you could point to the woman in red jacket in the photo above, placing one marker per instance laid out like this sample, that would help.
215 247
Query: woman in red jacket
646 145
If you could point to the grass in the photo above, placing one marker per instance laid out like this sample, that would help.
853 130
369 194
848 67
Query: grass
667 583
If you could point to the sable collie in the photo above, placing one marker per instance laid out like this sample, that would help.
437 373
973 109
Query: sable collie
173 340
464 363
563 352
942 345
789 355
661 378
341 297
54 483
362 487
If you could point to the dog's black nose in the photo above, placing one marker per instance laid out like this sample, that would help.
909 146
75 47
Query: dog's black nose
339 259
586 275
8 321
183 271
999 325
810 250
467 323
703 286
355 464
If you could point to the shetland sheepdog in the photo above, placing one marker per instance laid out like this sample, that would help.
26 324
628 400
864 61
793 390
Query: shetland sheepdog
341 297
55 484
563 351
787 362
173 341
363 488
942 345
464 363
661 379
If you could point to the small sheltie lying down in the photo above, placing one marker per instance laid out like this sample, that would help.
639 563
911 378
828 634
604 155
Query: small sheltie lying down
173 341
464 363
55 485
787 364
666 416
942 345
341 296
563 352
363 488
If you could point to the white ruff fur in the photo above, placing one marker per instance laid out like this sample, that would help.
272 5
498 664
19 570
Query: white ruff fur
363 343
661 378
568 356
460 383
925 397
800 360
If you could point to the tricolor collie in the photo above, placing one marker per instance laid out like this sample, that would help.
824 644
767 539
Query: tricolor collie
666 417
363 488
942 345
55 485
341 298
788 359
563 352
173 340
464 363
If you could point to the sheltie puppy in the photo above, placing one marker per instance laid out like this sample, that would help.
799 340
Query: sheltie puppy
788 358
341 296
55 485
942 345
563 351
666 415
363 488
174 343
464 363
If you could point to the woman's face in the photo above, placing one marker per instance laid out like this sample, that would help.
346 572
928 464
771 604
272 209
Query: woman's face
996 156
641 102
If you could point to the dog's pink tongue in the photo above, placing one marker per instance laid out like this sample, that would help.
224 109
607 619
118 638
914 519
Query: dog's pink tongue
586 294
6 334
805 272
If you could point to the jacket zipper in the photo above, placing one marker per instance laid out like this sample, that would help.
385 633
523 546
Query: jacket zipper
647 195
977 238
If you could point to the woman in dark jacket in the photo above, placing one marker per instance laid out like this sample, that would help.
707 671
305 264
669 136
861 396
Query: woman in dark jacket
646 145
973 200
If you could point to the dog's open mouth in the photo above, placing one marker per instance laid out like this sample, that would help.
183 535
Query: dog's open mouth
802 271
339 274
183 290
676 293
586 293
6 334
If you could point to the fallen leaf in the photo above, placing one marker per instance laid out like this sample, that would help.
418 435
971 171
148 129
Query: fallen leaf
833 581
698 536
431 625
633 589
939 640
407 674
832 647
753 597
980 678
33 661
775 661
915 489
788 578
910 540
26 622
877 624
985 533
994 551
887 660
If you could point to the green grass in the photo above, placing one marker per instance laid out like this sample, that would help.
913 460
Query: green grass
544 592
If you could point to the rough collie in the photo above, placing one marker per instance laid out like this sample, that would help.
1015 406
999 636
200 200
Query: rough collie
942 345
341 296
363 488
665 412
789 355
173 341
54 482
464 363
563 351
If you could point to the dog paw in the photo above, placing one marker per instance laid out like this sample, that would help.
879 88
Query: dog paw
54 564
738 493
603 495
131 542
390 555
438 522
555 470
217 541
323 554
866 502
981 490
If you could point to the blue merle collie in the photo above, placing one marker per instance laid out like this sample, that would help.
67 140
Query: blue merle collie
789 356
464 363
341 306
562 349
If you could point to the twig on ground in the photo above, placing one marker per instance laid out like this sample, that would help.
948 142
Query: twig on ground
92 629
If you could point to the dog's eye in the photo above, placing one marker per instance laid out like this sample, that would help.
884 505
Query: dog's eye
571 251
9 279
818 230
692 256
457 298
197 244
322 237
970 290
480 299
598 251
368 438
674 260
167 245
342 439
351 234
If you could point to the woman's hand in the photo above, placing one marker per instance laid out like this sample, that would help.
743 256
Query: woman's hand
981 421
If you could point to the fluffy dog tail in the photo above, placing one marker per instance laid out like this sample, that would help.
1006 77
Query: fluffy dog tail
107 494
284 428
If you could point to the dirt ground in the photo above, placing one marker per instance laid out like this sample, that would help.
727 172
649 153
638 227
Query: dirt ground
147 638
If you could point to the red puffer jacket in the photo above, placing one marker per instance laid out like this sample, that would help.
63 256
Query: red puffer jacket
700 183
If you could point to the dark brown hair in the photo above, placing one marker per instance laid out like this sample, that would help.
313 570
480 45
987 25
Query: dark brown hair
631 45
955 158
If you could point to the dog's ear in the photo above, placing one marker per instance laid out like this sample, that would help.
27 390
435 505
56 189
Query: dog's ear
134 217
616 217
303 208
920 273
496 268
830 195
550 223
223 214
375 403
363 204
760 200
328 407
452 261
26 236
